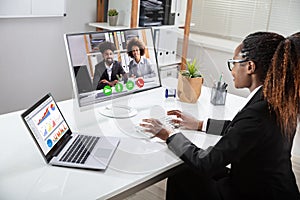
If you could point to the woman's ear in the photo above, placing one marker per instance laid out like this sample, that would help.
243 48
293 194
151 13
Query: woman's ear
251 67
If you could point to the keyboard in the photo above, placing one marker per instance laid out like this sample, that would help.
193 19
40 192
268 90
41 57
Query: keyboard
166 120
80 149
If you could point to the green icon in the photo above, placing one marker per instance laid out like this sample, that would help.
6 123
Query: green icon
107 90
119 87
130 85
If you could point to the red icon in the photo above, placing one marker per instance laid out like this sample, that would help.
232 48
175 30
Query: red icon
140 82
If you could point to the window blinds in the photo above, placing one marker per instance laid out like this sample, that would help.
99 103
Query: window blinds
234 19
285 17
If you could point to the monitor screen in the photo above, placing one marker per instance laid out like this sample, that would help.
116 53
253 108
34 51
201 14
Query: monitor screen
111 64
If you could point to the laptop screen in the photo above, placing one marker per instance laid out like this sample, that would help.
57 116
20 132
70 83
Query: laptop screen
46 123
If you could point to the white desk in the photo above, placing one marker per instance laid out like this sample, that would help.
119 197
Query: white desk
136 163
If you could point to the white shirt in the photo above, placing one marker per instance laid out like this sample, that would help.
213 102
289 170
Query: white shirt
140 66
109 70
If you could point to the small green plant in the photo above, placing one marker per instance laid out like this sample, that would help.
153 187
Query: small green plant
192 70
112 12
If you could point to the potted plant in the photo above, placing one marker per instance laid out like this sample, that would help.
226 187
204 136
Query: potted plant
190 83
113 17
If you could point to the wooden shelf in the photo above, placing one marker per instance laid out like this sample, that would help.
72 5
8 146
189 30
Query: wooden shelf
133 24
106 26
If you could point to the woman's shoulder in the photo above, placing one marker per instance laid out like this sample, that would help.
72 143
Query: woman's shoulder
131 61
147 61
257 110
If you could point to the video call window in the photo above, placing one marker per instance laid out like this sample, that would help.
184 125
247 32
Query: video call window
110 64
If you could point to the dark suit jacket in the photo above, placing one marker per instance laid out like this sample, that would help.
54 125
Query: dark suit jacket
256 149
101 73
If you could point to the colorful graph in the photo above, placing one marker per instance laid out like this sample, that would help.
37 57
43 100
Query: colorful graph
52 106
49 127
45 115
55 137
59 133
49 143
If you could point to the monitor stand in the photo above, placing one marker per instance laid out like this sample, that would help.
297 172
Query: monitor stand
118 111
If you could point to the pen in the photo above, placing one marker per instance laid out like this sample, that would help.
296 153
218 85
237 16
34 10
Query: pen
220 81
221 77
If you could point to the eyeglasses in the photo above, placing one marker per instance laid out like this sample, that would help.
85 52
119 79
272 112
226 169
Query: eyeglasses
231 63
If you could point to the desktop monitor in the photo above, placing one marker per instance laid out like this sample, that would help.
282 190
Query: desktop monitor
104 66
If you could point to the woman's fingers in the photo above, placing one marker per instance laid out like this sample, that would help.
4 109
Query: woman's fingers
174 112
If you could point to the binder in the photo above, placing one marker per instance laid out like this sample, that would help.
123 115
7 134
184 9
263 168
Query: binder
158 46
180 8
166 43
125 62
119 42
123 40
111 37
106 37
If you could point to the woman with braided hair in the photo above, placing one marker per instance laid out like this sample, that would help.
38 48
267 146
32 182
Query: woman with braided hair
282 84
253 142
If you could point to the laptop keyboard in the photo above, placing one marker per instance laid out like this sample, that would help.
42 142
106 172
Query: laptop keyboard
80 149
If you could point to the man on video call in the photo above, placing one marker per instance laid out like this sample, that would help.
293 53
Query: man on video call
108 71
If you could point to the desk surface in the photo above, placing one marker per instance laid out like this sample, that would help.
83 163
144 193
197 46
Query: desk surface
25 175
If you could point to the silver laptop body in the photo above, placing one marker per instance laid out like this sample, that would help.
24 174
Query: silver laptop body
59 146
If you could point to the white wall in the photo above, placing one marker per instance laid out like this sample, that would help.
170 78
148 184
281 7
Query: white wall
33 59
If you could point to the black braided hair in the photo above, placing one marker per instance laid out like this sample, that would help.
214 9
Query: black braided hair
282 84
260 47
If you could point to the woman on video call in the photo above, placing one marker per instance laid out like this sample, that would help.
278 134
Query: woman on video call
139 66
257 142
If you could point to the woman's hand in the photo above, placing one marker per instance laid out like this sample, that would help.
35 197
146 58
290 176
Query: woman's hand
157 128
186 120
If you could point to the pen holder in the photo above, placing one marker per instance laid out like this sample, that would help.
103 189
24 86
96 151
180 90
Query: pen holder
218 93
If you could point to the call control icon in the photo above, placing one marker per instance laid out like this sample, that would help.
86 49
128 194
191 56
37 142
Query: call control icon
130 85
107 90
119 87
140 82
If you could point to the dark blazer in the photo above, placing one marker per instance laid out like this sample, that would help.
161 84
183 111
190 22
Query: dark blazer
256 149
101 73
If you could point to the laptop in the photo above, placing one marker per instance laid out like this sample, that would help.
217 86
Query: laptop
59 146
